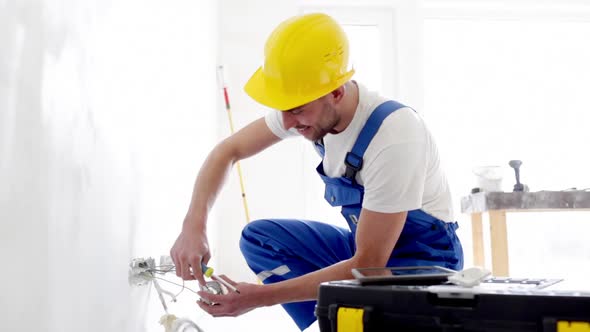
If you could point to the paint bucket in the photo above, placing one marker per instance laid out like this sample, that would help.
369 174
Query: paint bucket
488 178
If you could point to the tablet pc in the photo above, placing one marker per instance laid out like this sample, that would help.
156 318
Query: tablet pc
408 275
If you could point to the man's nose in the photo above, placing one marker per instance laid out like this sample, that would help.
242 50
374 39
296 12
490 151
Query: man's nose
289 120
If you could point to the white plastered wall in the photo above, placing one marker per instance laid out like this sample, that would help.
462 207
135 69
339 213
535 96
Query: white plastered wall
107 109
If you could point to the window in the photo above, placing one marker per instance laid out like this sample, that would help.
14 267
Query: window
513 85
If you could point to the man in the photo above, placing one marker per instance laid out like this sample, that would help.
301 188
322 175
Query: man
380 164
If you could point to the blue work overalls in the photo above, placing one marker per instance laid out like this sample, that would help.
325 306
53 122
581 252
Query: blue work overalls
281 249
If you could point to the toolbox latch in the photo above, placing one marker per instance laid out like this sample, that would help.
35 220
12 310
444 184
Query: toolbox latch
567 326
350 319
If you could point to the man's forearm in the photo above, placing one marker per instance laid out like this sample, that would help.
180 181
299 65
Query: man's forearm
305 287
208 184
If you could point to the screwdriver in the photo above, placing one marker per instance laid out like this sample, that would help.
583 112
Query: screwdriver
208 272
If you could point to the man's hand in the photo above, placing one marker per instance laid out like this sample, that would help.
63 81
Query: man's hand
233 304
190 249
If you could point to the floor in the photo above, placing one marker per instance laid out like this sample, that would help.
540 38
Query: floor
267 319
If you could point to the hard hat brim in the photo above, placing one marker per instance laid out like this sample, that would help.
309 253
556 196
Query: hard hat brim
274 97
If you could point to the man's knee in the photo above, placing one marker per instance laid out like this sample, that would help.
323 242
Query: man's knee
260 227
254 233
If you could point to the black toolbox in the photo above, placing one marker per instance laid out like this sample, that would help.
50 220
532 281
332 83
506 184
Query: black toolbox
348 306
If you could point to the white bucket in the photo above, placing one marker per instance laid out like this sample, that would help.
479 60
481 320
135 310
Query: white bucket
488 178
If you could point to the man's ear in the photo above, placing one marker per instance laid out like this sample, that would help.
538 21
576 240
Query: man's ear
338 94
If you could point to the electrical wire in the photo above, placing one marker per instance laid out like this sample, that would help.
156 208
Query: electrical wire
177 284
143 270
181 290
162 269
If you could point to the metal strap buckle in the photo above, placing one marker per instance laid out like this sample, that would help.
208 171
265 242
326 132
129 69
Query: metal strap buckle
353 164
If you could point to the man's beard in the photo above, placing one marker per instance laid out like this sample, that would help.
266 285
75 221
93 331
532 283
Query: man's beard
322 130
317 133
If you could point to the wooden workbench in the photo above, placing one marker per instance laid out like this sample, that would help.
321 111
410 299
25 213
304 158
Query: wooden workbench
498 204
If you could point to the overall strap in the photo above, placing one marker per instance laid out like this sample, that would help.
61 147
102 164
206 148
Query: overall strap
319 147
354 158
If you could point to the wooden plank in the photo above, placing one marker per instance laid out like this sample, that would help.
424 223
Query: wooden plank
477 238
529 201
499 241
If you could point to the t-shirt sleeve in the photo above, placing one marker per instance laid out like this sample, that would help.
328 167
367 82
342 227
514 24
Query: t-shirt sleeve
394 180
274 121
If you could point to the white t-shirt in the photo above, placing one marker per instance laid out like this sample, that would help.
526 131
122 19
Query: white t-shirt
401 166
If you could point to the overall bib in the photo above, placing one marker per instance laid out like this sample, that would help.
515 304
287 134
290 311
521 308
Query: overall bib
281 249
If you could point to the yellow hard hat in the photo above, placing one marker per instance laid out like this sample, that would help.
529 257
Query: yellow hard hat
305 58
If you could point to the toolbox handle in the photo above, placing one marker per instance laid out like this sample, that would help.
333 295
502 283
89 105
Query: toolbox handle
453 300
